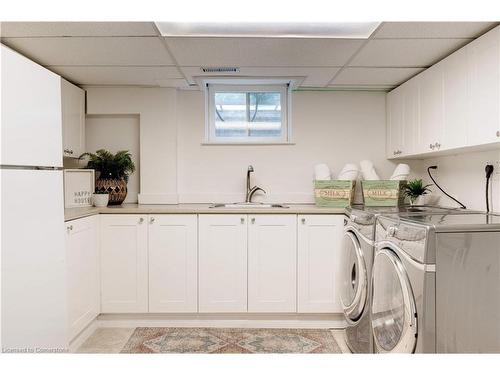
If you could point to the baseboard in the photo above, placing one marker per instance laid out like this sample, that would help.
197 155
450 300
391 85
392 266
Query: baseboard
244 320
79 339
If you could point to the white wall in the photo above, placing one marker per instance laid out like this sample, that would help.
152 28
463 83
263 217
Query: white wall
463 177
156 108
335 127
115 133
331 127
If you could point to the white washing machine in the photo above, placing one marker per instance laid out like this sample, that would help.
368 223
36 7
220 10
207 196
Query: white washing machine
436 284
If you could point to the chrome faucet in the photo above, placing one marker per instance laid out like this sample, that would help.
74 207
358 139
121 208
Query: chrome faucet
253 190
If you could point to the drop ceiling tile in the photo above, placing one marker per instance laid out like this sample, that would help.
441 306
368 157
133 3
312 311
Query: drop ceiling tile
406 52
313 76
40 29
92 50
375 76
120 75
433 29
262 51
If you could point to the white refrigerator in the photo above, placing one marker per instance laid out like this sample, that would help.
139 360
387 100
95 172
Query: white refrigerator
33 276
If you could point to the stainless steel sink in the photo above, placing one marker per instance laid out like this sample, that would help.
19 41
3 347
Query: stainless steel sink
248 205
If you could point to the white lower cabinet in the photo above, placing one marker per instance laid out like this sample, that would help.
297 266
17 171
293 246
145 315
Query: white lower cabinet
319 245
222 265
272 263
82 260
173 263
124 263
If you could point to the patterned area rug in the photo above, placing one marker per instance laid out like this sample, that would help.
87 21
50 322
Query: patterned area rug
230 340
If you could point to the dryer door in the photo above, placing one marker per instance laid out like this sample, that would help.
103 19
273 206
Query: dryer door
354 278
393 317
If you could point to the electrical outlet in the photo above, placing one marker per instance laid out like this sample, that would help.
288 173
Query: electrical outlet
496 169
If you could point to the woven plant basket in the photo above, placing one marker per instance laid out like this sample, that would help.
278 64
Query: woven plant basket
116 188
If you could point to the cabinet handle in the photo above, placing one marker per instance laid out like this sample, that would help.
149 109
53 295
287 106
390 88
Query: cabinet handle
498 133
431 146
303 220
438 145
141 220
242 220
69 228
394 152
151 220
253 220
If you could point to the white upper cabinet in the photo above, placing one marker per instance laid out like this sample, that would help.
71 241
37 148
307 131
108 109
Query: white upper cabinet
395 123
73 119
82 262
319 246
272 263
31 112
173 263
124 263
454 75
222 245
458 102
430 124
402 120
484 89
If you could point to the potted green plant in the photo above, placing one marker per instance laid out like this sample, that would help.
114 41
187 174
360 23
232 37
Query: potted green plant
415 189
112 172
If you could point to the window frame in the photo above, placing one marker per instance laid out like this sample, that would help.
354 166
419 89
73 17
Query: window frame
212 88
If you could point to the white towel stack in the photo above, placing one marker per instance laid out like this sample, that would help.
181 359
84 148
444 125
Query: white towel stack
368 170
349 172
401 172
322 172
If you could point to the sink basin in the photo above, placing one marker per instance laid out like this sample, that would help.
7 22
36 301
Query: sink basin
248 205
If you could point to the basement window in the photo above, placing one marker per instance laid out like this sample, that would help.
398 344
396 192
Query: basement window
247 114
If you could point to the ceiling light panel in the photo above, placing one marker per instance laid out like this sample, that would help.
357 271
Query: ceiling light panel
347 30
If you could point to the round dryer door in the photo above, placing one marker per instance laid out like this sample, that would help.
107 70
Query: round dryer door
393 312
354 278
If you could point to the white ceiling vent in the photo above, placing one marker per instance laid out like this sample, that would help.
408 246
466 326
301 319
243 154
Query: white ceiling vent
220 69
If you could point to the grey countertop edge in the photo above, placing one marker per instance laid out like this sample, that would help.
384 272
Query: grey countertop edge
80 212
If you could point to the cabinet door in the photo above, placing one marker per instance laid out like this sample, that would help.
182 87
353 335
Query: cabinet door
395 123
124 264
82 259
454 132
173 267
222 244
402 119
430 110
73 119
31 112
411 103
319 246
272 263
484 89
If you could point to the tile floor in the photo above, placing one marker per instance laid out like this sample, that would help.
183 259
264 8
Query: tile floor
113 340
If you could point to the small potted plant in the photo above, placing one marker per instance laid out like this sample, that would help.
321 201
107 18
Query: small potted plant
112 172
415 189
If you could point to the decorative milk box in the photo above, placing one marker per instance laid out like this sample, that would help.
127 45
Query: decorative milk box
334 193
388 193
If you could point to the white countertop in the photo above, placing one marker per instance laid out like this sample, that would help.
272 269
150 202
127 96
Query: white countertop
76 213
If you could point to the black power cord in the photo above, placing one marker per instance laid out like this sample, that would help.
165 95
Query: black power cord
489 171
439 187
